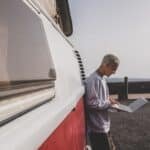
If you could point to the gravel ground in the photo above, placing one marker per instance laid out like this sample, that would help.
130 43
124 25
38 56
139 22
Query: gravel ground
131 131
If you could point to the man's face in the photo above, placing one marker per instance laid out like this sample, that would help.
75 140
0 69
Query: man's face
110 69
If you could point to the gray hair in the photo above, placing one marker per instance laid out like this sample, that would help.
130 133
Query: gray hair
111 59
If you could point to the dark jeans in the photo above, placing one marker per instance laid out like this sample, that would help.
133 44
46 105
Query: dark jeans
101 141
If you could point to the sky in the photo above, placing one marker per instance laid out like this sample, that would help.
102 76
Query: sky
121 27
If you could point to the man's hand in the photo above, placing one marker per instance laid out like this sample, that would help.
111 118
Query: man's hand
113 101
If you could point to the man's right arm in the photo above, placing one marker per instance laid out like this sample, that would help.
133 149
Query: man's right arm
93 100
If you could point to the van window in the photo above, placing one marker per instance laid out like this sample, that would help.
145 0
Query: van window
64 16
27 72
24 53
59 11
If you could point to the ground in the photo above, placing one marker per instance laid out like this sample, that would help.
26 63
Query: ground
131 131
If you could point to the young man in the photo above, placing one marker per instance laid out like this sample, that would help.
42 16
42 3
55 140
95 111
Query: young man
98 102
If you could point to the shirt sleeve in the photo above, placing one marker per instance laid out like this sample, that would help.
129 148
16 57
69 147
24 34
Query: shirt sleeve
95 96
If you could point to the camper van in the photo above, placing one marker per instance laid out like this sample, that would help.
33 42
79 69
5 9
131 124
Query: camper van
47 48
41 88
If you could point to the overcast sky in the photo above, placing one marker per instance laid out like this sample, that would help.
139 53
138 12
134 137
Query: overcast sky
121 27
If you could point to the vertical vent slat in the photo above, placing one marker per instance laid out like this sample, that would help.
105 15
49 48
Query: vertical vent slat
82 71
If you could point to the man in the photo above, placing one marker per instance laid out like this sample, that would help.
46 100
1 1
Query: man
98 102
